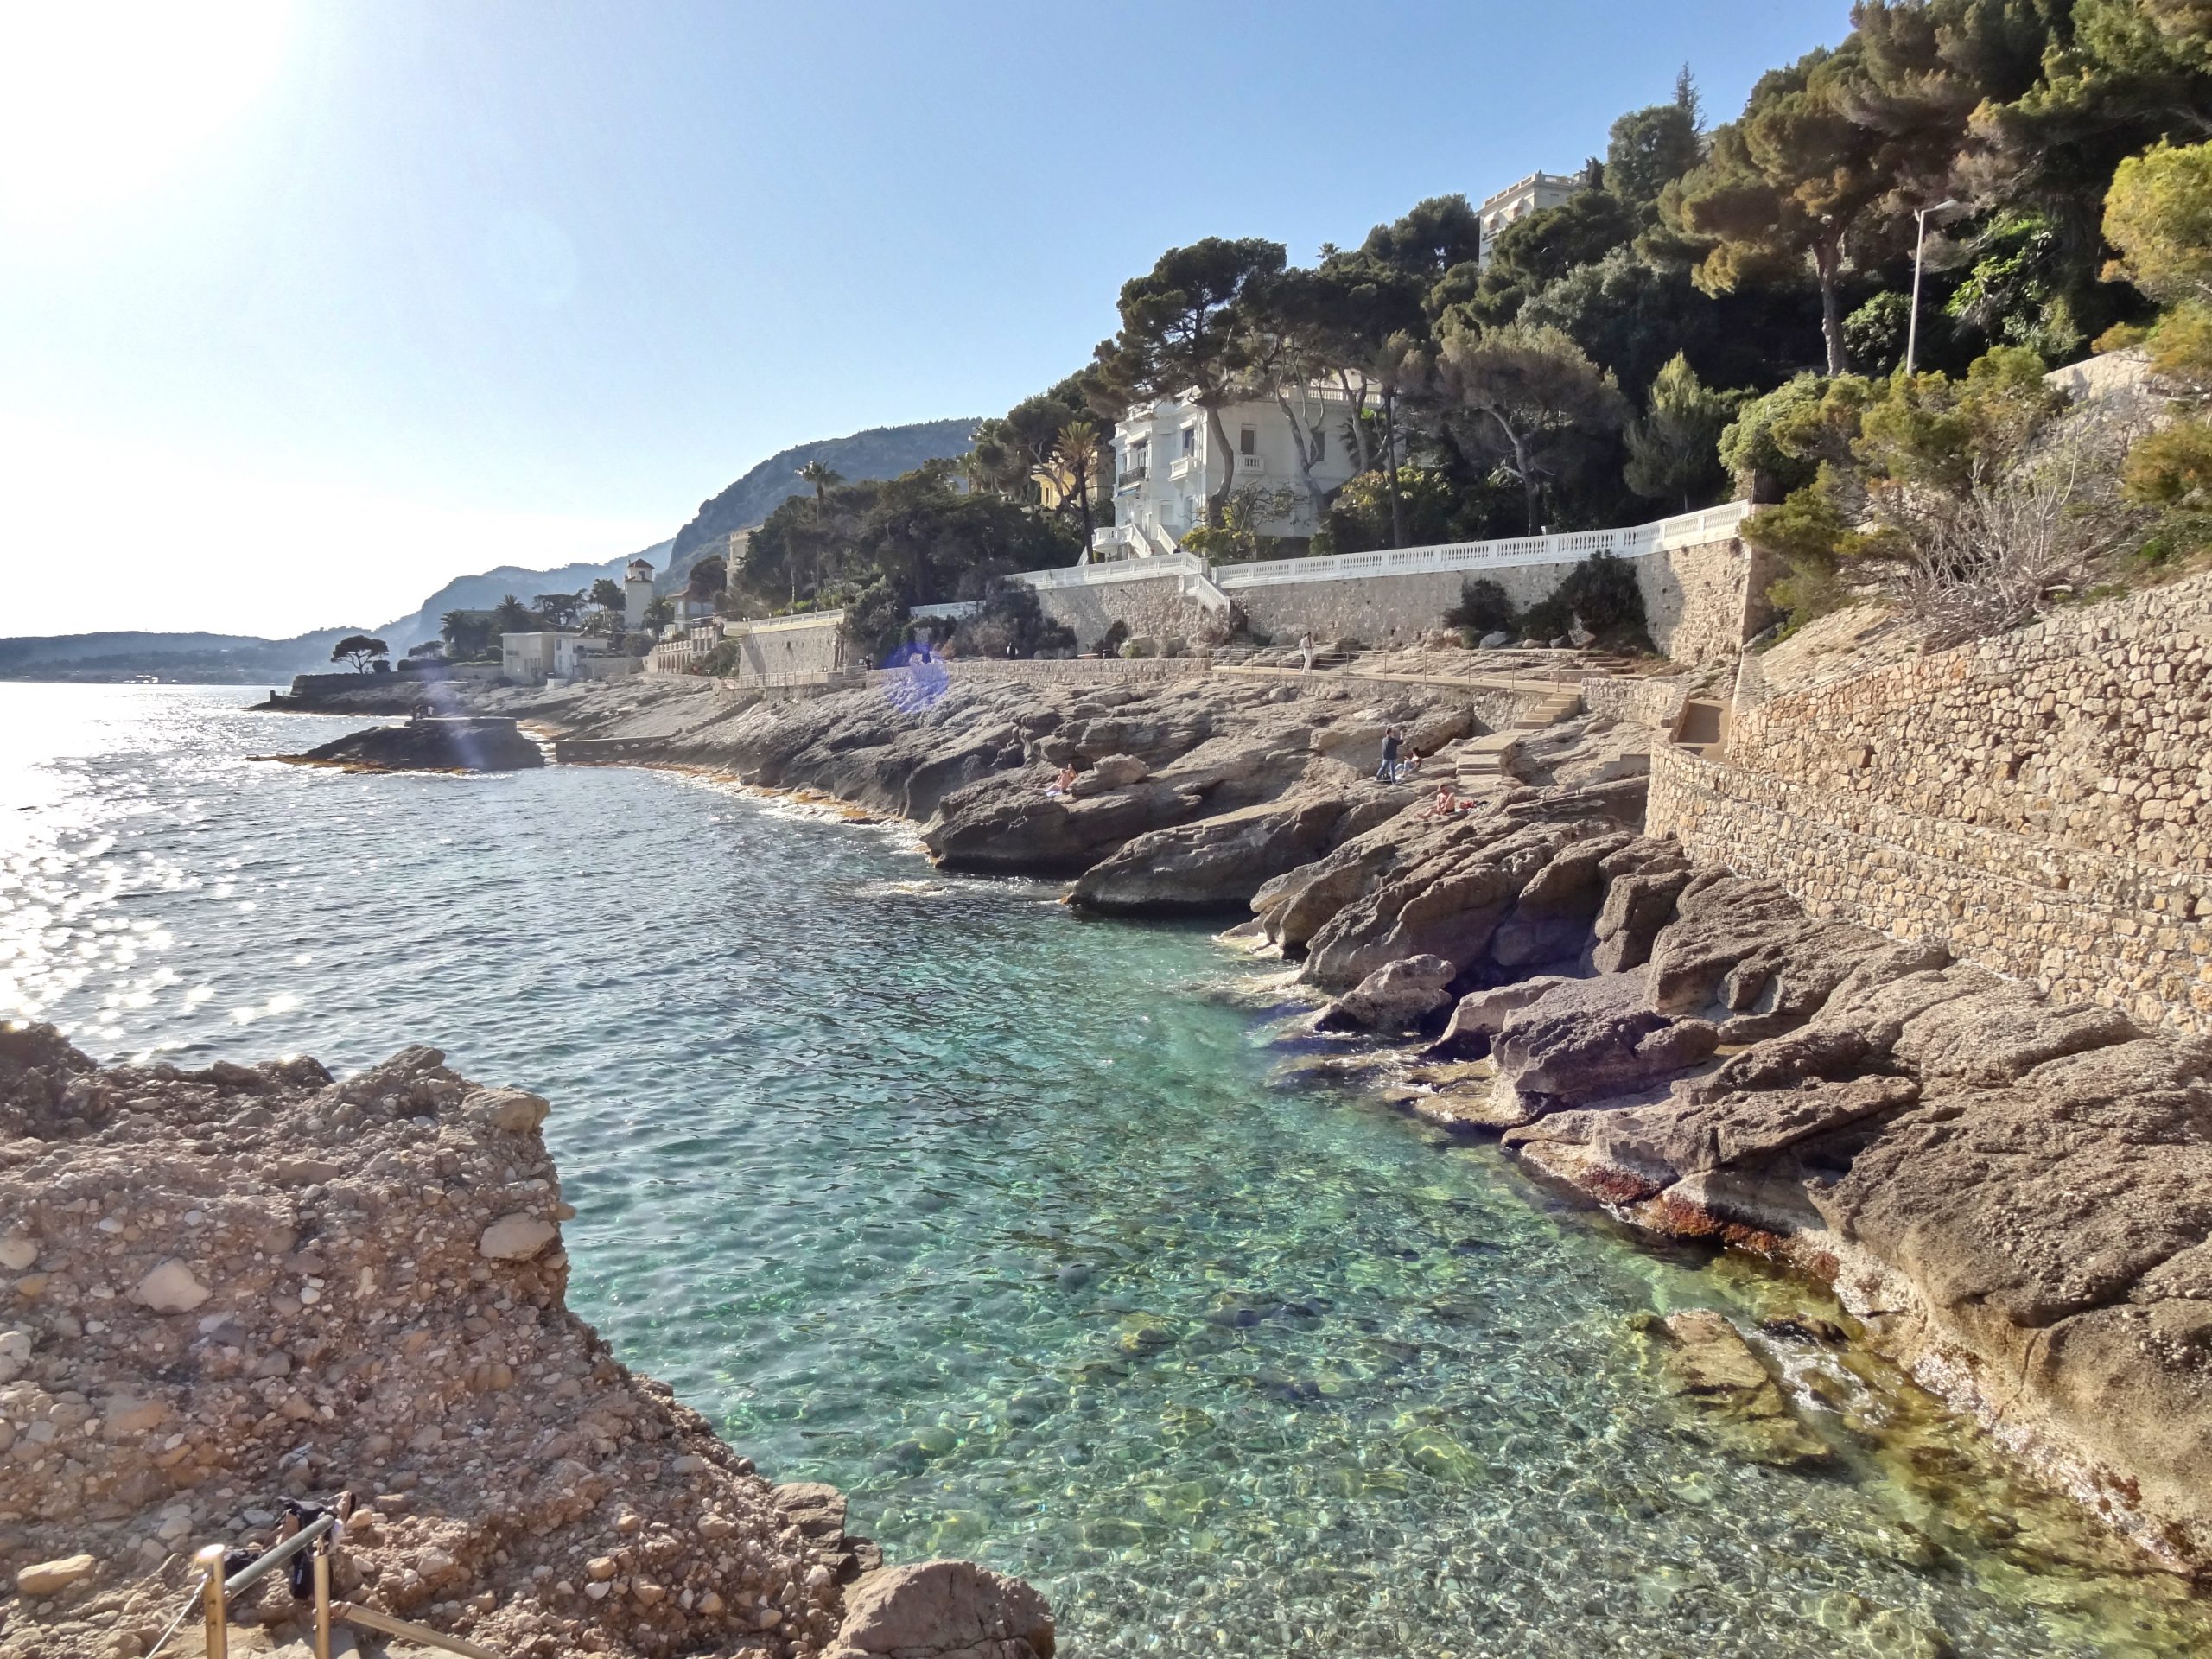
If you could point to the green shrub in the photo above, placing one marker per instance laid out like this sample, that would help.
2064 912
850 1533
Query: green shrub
1601 594
1482 610
1110 643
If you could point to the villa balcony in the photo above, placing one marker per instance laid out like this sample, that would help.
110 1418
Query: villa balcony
1132 477
1250 467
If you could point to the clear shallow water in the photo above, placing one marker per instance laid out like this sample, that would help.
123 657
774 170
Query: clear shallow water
1015 1225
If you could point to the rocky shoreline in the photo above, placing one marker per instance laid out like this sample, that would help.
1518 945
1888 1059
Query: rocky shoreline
245 1285
2011 1197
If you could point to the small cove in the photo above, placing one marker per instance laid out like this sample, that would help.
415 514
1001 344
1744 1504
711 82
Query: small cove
1026 1230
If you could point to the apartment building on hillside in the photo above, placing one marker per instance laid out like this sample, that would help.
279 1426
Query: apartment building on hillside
1522 197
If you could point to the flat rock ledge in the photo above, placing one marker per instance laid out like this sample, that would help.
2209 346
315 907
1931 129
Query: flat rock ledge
227 1287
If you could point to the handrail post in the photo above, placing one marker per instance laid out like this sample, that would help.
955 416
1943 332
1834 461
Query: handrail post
322 1598
210 1562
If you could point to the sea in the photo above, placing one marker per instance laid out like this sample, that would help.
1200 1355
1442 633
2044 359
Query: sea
1059 1243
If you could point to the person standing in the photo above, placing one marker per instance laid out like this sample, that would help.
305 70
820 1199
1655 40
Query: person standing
1388 772
1306 650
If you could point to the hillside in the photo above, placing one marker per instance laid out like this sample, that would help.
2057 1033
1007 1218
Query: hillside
482 592
879 452
201 658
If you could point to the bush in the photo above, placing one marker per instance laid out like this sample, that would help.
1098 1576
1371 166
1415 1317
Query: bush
1601 594
875 619
1110 643
1482 608
1013 623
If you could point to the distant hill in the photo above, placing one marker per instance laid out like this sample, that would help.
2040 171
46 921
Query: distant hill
481 593
198 658
879 452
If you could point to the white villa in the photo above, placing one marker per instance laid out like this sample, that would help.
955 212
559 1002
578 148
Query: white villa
1165 467
1520 198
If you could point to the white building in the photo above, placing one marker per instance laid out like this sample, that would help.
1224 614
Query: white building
1519 200
1166 466
535 658
637 593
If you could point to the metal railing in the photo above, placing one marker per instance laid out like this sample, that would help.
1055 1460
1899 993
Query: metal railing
218 1590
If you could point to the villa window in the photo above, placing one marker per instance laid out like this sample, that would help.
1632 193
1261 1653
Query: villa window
1190 440
1247 441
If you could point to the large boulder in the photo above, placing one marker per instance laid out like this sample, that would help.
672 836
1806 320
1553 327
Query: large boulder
448 743
1220 861
942 1609
1395 997
1591 1039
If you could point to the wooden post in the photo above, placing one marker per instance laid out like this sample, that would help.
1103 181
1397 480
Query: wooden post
322 1599
210 1562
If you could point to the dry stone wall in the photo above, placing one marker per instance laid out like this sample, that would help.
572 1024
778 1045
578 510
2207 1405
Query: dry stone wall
2041 802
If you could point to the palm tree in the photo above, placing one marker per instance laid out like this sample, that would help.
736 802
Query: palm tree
821 474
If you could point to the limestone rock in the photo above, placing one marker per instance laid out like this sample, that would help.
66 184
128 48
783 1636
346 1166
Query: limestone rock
51 1578
516 1237
1118 771
944 1610
1585 1040
513 1111
1393 998
170 1287
1481 1015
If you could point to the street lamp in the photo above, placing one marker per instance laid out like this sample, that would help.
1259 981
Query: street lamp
1921 216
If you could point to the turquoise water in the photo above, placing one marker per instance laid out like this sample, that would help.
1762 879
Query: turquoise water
1039 1236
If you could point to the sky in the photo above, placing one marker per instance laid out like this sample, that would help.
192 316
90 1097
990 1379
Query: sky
309 306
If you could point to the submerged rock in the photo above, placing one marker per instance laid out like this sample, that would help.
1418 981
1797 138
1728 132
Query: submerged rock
1739 1406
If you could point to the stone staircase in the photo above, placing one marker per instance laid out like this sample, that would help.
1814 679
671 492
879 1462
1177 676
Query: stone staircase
1480 759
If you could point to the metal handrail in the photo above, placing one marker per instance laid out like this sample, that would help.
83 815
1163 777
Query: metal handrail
247 1577
319 1534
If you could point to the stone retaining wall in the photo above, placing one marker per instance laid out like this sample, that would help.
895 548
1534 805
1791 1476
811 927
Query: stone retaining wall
2085 927
1081 671
1655 704
1702 602
2088 730
1154 606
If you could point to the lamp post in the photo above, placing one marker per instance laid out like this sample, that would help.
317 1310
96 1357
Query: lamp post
1921 216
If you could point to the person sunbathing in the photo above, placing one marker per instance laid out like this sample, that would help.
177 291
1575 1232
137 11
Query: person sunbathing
1445 803
1062 785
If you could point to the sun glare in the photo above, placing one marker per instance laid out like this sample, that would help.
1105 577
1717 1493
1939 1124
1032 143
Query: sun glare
99 99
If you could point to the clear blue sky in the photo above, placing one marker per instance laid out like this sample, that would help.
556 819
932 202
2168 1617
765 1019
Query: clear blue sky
305 309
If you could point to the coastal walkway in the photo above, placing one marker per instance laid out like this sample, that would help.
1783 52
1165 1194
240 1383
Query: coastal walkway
1541 699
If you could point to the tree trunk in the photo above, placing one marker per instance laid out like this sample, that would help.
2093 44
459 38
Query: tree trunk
1391 467
1299 435
1520 467
1826 257
1083 501
1217 500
